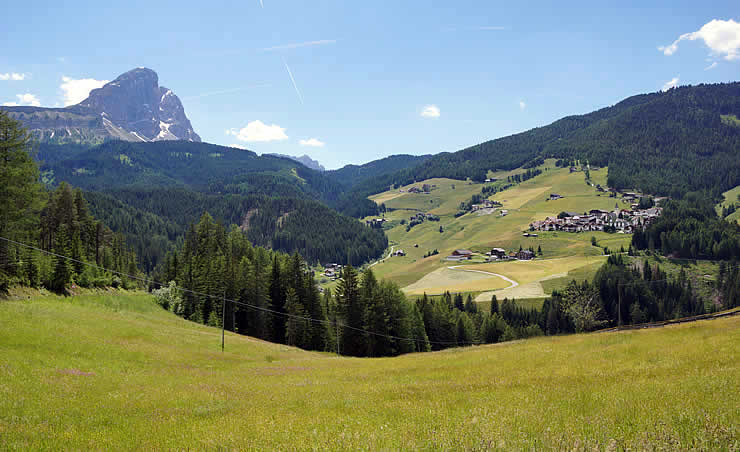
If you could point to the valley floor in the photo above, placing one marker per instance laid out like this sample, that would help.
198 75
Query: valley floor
564 255
114 371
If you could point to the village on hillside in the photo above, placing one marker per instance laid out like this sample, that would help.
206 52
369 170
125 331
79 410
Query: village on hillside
623 221
632 211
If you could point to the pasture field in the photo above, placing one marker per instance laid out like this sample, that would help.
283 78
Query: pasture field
455 280
525 202
113 371
531 274
441 200
585 273
730 197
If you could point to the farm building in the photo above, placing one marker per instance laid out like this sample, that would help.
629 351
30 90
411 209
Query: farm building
498 252
464 253
525 255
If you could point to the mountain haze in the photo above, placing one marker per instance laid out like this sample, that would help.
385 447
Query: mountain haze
305 159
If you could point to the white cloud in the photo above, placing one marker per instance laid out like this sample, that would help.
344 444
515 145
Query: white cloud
259 131
522 105
721 36
430 111
312 142
711 66
24 99
12 76
669 49
300 44
77 90
672 83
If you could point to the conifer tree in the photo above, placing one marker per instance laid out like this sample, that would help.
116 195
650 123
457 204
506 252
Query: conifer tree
33 272
351 313
419 334
20 193
464 330
295 328
459 305
494 305
377 318
470 306
317 328
62 267
277 302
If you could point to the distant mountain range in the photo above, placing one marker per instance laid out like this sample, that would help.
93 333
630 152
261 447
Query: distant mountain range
305 159
133 107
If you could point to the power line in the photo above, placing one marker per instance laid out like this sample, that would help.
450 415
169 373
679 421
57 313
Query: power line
240 303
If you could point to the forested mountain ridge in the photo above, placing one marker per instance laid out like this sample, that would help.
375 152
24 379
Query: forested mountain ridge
150 192
152 218
199 166
664 143
351 175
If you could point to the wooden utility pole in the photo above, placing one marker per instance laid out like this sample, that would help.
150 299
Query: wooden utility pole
619 292
336 329
223 320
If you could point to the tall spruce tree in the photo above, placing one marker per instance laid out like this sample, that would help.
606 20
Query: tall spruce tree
62 266
352 314
295 328
494 305
376 316
277 302
20 194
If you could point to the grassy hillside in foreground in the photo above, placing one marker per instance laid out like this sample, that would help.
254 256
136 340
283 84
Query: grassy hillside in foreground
113 371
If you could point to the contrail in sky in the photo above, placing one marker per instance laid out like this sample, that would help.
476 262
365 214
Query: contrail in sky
293 80
262 5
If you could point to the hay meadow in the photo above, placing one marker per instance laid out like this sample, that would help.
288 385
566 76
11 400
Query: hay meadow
112 370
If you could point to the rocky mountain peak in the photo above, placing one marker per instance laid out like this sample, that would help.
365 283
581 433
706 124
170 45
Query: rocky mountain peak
135 102
133 107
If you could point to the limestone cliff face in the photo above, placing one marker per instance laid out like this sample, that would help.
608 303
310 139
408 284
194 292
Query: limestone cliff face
133 107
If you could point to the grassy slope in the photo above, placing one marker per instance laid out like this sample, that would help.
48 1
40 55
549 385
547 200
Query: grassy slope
730 197
525 202
115 372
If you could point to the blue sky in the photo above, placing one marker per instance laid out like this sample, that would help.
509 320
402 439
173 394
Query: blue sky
369 79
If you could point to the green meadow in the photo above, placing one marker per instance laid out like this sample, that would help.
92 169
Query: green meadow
525 202
730 197
114 371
